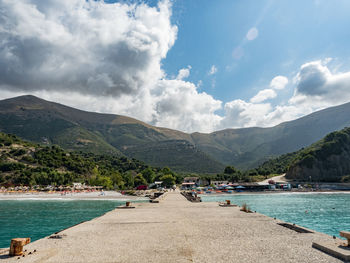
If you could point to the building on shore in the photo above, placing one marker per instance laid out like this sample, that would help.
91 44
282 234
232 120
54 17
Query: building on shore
191 182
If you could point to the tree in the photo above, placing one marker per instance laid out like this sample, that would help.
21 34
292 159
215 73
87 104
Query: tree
148 174
139 180
229 170
105 181
117 180
129 179
168 180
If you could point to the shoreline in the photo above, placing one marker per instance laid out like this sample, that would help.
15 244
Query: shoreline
116 196
275 193
108 195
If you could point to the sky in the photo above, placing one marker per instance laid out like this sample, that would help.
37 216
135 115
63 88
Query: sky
190 65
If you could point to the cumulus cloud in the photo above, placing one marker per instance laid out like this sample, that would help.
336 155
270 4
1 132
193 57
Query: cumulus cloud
213 70
108 58
316 84
100 56
239 113
316 88
263 95
184 73
180 104
279 82
87 46
252 33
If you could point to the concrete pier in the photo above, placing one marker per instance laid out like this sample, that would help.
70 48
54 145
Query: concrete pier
175 230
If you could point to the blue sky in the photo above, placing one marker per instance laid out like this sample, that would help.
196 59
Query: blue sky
191 65
291 33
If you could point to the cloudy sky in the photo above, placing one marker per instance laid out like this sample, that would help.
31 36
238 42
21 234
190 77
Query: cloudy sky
197 65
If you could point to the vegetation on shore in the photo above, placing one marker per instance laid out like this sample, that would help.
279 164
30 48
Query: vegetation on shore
326 160
25 163
234 175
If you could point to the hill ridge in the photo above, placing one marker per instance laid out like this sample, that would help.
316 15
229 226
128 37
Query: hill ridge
42 121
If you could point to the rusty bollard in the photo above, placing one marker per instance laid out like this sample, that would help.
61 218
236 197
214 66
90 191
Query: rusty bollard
346 234
16 247
228 202
127 203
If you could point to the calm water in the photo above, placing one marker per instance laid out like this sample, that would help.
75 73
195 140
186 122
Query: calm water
37 219
327 213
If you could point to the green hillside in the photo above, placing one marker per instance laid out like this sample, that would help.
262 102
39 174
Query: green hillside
250 147
26 163
176 154
51 123
327 160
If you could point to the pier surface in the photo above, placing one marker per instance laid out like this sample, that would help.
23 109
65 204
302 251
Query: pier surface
176 230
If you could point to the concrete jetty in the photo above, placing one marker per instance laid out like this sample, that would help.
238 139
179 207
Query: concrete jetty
176 230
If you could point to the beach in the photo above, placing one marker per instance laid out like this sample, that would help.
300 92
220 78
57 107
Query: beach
105 195
176 230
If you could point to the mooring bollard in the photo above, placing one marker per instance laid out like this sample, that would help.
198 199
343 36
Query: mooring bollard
127 203
228 202
346 234
16 247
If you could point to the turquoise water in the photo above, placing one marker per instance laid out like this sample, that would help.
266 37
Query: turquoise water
37 219
327 213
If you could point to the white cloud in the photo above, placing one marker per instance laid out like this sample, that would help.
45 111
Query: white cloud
316 84
184 73
263 95
180 105
107 58
316 88
88 46
279 82
100 57
252 33
239 113
213 70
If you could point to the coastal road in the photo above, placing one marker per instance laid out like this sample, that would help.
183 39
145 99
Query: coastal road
176 230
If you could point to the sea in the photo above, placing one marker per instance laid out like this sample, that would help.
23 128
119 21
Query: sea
323 212
328 213
39 218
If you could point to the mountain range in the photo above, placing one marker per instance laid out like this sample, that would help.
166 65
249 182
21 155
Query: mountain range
46 122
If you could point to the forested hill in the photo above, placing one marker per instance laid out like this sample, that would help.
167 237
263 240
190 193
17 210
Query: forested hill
327 160
26 163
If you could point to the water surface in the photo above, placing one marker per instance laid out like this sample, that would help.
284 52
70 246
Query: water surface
39 218
323 212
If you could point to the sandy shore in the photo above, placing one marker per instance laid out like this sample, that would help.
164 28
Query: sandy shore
108 195
176 230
